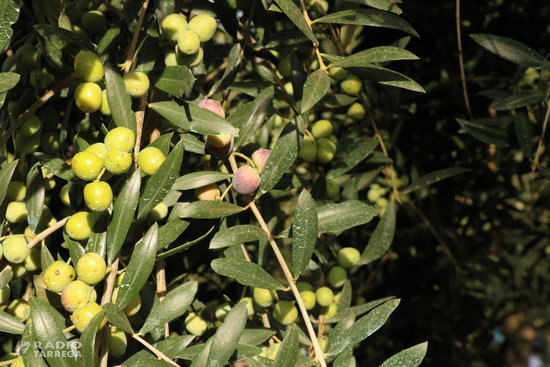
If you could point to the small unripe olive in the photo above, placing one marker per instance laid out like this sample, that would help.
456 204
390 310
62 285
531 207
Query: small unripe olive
18 270
337 276
20 309
137 83
356 111
204 26
5 293
220 145
117 342
170 58
88 67
260 157
117 161
27 145
87 97
309 299
98 196
30 126
58 275
351 85
150 159
213 106
50 142
16 212
337 73
348 257
93 22
208 192
64 195
16 191
195 325
249 305
324 296
289 89
86 165
263 297
304 286
32 261
222 311
246 180
190 60
308 150
382 203
82 316
99 149
188 43
285 312
28 57
15 249
79 226
105 109
330 310
285 66
91 268
325 150
172 26
322 129
159 212
333 188
77 295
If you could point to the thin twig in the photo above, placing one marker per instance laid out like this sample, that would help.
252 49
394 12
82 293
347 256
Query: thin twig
461 59
161 288
140 117
35 106
48 231
288 275
106 298
322 65
540 145
157 352
130 55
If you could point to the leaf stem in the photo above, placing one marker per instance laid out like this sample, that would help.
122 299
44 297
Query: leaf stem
288 275
48 231
322 65
133 44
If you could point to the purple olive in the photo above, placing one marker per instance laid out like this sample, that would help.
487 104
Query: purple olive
259 158
212 105
246 180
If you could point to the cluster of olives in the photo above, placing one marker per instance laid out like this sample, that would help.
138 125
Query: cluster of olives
85 22
187 37
88 95
318 146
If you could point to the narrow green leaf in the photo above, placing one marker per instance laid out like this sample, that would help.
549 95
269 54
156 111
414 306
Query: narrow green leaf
56 166
119 100
8 81
233 63
117 317
46 258
315 88
351 155
226 338
410 357
139 268
245 272
9 15
433 177
295 15
287 355
6 275
199 179
191 117
362 328
236 235
173 306
524 98
88 338
368 17
304 232
253 116
75 249
192 144
174 347
524 132
341 216
509 49
375 55
10 324
184 246
281 159
158 185
208 209
48 327
490 134
5 177
34 199
57 43
162 143
175 80
389 77
345 297
382 237
387 5
31 356
123 215
255 336
169 232
98 240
